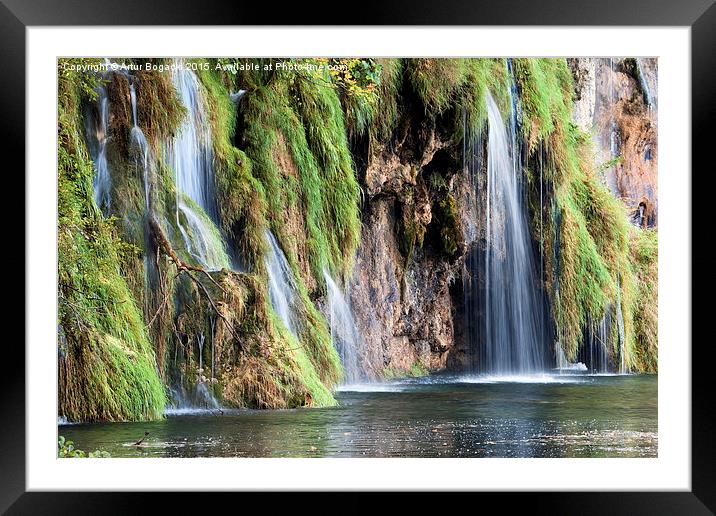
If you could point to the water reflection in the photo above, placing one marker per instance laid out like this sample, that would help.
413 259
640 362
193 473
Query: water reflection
577 416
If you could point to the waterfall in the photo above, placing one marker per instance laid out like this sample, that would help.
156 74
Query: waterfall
613 97
282 285
513 338
236 96
200 398
204 398
563 365
202 395
644 84
139 148
200 344
595 352
623 369
202 238
191 158
102 182
473 163
344 332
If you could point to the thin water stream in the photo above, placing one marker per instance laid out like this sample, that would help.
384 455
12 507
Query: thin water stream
344 332
282 285
98 133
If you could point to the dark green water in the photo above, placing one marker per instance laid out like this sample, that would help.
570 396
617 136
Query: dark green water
439 416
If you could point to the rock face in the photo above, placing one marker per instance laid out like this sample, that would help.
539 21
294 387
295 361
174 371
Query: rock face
404 313
584 72
616 100
400 290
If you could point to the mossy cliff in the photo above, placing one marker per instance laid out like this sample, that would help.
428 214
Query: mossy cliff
107 366
359 171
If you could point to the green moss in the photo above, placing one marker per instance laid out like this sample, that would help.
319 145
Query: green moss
316 338
242 205
296 140
546 91
319 107
585 285
294 182
308 374
273 131
594 272
437 81
159 109
448 220
376 114
416 370
644 257
107 365
66 449
388 91
481 76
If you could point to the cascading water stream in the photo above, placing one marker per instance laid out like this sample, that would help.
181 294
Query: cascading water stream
200 344
648 98
282 285
191 157
102 182
473 161
513 338
623 369
139 151
595 352
213 336
344 332
565 366
139 148
236 96
202 395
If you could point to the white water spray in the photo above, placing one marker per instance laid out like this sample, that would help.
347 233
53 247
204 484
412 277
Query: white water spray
565 366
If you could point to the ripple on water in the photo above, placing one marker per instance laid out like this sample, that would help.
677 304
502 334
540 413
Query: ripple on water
438 416
533 378
192 411
540 378
372 387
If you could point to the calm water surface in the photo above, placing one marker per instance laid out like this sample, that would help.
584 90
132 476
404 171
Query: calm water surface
436 416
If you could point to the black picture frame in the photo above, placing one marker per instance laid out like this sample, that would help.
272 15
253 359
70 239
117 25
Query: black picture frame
700 15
